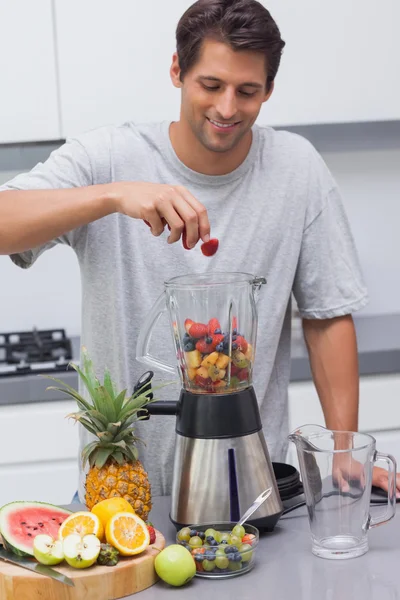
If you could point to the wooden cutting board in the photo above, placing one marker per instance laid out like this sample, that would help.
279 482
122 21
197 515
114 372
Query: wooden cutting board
129 576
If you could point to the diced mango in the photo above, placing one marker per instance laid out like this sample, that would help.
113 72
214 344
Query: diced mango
223 361
191 373
210 359
193 359
202 372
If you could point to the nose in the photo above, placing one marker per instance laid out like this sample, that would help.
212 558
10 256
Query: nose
226 105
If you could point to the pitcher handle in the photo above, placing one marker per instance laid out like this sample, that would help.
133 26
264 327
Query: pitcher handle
145 334
391 506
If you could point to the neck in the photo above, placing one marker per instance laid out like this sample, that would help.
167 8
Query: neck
198 158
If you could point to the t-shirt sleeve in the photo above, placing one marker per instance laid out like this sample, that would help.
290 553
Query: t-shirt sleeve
68 166
328 281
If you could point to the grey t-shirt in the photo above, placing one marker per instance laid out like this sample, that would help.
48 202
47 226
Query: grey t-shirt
278 215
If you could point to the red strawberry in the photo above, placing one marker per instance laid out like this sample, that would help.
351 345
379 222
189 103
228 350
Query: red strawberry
188 324
235 370
217 338
184 242
198 330
213 324
241 343
209 248
152 531
203 382
234 323
203 347
243 374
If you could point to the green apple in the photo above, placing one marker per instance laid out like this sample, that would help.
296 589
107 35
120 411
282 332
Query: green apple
47 550
81 552
175 565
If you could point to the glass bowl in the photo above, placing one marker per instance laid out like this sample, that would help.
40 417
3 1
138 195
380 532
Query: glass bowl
220 558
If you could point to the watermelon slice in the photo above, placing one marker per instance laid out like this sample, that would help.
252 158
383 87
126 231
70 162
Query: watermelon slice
21 521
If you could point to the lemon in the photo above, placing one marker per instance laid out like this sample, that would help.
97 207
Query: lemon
110 507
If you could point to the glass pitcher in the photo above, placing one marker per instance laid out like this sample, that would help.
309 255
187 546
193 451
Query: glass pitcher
336 470
213 320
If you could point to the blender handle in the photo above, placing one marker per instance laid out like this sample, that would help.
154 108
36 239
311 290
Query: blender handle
146 331
391 506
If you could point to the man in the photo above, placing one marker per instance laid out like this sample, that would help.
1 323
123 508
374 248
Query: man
267 196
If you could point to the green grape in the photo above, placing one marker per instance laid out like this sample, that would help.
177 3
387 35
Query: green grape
210 532
222 562
234 566
234 540
224 537
208 565
217 536
195 542
246 552
184 534
221 549
238 530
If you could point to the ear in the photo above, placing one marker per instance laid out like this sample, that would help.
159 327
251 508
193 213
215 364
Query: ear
175 71
268 94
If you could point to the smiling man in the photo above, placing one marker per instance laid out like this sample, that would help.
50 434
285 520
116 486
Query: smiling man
266 195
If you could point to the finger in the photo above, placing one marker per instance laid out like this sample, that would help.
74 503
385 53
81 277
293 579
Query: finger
173 219
190 220
155 223
201 211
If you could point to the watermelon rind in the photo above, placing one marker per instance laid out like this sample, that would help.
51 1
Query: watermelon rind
7 536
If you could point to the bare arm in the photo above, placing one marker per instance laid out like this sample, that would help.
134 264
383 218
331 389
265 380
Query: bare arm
29 218
332 349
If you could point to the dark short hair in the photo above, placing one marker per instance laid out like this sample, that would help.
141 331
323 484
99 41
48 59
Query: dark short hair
243 24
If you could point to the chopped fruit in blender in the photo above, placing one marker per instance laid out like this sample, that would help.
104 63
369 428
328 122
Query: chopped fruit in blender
202 372
216 374
209 248
216 340
193 359
222 361
202 381
219 385
192 373
249 352
188 324
243 374
203 347
239 359
210 359
198 330
234 323
241 343
214 326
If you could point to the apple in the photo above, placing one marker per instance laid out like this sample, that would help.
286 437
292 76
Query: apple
81 552
47 550
175 565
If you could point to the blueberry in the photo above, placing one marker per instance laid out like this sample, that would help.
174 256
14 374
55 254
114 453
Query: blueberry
228 550
192 532
226 344
201 535
214 543
219 347
186 337
208 556
199 557
188 346
209 538
208 340
231 556
234 346
224 542
234 337
234 331
217 331
237 557
234 549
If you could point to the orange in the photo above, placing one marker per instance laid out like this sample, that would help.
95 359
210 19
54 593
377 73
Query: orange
110 507
82 523
128 533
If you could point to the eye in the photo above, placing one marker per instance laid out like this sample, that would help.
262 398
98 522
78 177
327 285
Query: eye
247 93
211 88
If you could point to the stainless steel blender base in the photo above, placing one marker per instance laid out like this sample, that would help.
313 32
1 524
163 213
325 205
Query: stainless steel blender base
218 479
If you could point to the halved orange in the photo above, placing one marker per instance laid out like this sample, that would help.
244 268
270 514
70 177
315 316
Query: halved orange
82 523
128 533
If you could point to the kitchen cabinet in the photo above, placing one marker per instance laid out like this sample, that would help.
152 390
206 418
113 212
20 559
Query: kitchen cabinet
38 452
379 412
29 98
340 64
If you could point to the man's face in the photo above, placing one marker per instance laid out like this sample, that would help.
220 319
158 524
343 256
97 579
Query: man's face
222 94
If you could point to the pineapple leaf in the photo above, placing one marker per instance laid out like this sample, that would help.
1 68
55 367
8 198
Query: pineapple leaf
105 436
92 389
102 456
80 417
113 428
99 420
119 457
108 384
106 404
87 452
119 402
68 390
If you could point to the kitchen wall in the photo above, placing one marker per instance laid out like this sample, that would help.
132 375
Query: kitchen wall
365 160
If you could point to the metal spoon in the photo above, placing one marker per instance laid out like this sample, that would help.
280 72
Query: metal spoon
257 502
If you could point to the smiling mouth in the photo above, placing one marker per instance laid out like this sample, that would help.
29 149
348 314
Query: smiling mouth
220 125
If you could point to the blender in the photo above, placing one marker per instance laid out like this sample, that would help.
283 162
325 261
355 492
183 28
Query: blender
221 460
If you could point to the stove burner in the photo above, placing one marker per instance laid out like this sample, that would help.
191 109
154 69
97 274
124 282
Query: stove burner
27 351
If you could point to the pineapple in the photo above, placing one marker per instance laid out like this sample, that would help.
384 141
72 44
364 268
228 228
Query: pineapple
115 470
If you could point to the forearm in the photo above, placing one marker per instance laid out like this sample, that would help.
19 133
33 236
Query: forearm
332 348
30 218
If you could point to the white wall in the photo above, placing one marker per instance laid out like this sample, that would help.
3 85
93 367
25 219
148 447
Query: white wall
48 294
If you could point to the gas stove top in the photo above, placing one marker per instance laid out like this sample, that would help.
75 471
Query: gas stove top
28 352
